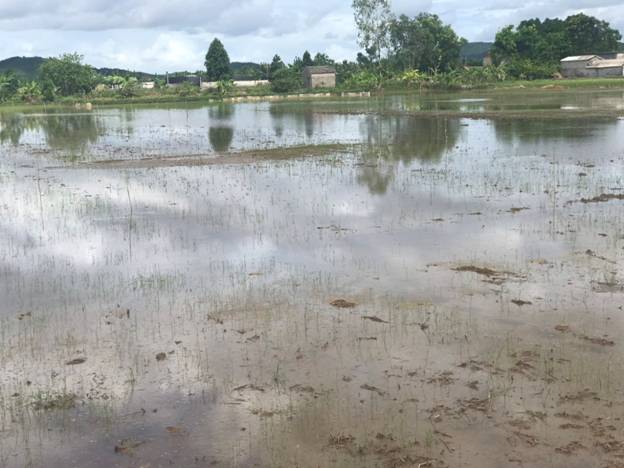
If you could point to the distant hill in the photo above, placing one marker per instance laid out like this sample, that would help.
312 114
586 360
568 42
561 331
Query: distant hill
473 52
247 71
126 73
27 68
24 67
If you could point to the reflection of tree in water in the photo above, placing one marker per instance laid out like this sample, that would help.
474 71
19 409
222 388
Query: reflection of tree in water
301 117
221 135
277 117
126 118
221 111
402 139
535 130
12 126
377 178
71 133
220 138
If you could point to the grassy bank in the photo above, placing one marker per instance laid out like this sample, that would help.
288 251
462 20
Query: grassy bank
579 83
171 97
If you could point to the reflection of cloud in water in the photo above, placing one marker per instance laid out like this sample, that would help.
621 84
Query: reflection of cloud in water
199 232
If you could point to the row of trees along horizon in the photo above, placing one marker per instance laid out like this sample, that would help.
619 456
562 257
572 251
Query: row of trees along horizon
396 51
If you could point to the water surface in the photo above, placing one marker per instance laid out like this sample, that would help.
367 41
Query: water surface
486 295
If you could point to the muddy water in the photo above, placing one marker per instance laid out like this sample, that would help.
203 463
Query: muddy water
181 314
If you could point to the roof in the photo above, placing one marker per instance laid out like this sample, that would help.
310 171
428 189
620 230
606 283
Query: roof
579 58
614 63
319 70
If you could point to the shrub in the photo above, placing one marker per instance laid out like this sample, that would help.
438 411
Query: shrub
286 80
525 69
224 87
9 85
130 88
412 78
30 92
187 89
364 80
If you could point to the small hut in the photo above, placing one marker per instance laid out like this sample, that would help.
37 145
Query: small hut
319 77
576 66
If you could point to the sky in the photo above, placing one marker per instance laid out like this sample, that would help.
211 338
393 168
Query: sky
168 35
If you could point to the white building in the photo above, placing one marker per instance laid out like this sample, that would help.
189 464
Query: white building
593 66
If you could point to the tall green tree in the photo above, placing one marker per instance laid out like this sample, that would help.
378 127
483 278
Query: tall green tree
550 40
217 62
424 43
322 59
306 60
591 35
276 65
68 75
373 18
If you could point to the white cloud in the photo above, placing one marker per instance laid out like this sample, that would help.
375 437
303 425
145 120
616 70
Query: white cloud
166 35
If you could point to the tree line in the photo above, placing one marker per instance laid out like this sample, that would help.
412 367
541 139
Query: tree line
425 49
413 51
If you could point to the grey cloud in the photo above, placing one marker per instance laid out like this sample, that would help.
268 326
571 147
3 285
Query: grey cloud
161 35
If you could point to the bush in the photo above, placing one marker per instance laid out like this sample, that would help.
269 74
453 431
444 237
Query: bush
286 80
412 78
187 89
69 75
30 92
224 87
130 88
9 85
363 80
525 69
48 91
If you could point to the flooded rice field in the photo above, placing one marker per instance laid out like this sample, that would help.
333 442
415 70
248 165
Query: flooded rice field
423 281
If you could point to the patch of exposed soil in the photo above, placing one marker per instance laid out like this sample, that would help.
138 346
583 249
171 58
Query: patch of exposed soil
342 304
242 157
520 302
603 197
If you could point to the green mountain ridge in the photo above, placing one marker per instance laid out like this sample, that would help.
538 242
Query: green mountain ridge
27 68
24 67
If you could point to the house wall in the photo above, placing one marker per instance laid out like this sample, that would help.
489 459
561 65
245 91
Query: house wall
325 80
237 84
607 72
576 69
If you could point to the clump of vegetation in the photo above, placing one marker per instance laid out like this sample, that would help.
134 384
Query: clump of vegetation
548 41
9 84
69 75
48 401
224 87
364 80
130 88
286 80
187 90
30 92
